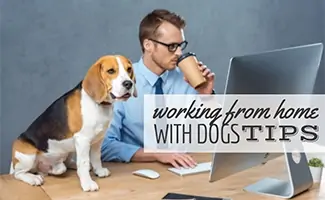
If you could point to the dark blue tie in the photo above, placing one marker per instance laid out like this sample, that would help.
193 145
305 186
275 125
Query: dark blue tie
159 91
158 86
160 103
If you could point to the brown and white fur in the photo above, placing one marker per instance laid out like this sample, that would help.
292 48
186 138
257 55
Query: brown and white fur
75 123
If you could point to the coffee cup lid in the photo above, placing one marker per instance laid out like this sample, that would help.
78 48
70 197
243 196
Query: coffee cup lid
185 55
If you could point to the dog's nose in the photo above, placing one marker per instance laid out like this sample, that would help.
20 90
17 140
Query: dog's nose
127 84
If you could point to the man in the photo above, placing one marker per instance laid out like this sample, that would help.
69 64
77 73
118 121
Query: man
161 35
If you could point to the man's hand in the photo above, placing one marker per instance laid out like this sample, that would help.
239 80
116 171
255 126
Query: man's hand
209 85
177 160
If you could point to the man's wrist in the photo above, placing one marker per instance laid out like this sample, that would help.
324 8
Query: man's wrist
142 156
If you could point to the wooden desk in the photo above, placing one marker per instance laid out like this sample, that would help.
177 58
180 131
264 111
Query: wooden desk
123 185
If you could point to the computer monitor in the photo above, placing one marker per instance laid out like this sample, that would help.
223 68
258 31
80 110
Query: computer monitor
282 71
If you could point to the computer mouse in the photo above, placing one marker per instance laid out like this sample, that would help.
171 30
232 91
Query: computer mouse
147 173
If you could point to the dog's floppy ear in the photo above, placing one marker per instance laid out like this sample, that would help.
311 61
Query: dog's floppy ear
93 83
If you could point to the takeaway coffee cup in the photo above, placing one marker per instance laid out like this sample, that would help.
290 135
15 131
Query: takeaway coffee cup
188 64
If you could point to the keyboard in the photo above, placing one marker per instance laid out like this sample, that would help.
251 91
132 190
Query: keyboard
199 168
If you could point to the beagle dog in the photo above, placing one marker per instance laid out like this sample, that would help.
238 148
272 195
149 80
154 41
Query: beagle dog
75 123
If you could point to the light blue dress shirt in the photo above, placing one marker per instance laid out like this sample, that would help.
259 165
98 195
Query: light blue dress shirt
125 135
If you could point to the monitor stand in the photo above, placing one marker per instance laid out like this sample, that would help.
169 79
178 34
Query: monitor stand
300 180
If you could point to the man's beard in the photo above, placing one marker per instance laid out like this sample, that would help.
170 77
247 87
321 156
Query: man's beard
160 65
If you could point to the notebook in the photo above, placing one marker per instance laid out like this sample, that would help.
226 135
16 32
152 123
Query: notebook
170 196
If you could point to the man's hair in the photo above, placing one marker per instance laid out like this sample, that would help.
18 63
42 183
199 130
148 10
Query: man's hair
151 22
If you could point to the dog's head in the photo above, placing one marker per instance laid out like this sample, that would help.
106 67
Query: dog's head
110 79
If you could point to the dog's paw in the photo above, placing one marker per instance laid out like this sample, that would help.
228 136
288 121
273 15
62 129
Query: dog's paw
58 169
89 186
32 179
102 172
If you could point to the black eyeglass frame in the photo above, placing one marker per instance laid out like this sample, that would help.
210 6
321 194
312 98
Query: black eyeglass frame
172 47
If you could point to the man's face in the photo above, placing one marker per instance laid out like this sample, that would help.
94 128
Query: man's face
163 55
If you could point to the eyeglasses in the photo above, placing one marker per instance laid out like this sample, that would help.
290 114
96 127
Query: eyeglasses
172 47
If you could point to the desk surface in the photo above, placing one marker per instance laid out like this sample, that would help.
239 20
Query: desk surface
123 185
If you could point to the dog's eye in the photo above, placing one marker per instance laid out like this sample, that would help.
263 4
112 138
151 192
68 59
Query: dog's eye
129 70
111 71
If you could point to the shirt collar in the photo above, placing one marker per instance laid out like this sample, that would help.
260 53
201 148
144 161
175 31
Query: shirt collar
149 75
